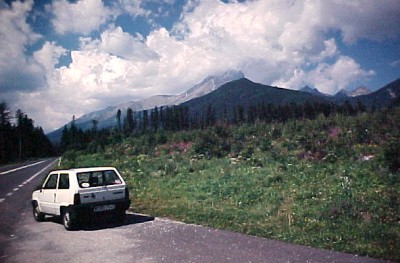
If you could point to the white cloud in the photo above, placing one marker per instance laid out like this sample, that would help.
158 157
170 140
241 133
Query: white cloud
116 42
49 55
92 81
395 63
363 19
328 78
284 43
288 42
134 8
17 71
81 17
266 39
159 8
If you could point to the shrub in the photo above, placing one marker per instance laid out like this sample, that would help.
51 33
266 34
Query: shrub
211 145
392 155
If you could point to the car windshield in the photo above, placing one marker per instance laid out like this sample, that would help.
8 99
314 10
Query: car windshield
97 178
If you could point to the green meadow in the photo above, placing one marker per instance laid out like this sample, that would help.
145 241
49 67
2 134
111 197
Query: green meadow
331 183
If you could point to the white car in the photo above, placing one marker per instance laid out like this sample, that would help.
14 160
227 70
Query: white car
79 194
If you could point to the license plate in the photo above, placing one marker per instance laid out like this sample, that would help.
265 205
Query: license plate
101 208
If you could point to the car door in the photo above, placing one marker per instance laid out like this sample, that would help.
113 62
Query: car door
47 197
64 197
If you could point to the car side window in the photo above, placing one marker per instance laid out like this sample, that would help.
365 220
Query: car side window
63 183
51 182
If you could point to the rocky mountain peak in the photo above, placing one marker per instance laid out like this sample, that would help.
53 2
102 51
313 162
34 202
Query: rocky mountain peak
313 91
361 90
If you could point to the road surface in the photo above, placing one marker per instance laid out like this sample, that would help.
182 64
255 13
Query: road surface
139 239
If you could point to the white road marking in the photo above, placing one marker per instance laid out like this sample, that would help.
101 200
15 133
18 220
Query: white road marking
36 174
27 181
22 167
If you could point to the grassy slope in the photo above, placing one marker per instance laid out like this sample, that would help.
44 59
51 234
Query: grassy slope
323 183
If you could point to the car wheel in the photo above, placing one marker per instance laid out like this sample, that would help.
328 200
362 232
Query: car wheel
67 221
39 216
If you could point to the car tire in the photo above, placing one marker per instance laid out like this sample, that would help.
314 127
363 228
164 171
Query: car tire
39 216
67 221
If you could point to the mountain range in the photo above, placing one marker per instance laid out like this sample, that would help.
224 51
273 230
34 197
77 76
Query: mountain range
246 93
230 90
106 118
359 91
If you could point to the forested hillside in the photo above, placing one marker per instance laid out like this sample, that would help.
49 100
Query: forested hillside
236 102
19 138
329 181
221 107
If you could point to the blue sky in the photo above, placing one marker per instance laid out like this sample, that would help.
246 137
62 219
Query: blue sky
63 58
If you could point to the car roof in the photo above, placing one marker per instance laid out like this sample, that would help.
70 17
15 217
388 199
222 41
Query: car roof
85 169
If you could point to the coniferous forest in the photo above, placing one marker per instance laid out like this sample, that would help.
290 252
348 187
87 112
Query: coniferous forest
180 118
19 138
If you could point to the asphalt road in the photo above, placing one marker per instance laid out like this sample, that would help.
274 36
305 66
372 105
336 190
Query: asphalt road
139 239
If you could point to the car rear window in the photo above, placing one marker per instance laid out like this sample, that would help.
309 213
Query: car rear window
98 178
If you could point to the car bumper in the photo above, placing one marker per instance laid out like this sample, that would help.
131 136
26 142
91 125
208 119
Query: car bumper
87 211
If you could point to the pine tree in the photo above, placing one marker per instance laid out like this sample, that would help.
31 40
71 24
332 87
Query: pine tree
65 138
145 121
74 136
129 123
240 115
94 125
4 131
154 119
119 119
210 118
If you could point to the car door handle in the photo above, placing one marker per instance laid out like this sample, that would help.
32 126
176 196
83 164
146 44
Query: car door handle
54 197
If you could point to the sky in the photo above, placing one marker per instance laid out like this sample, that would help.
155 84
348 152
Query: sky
63 58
